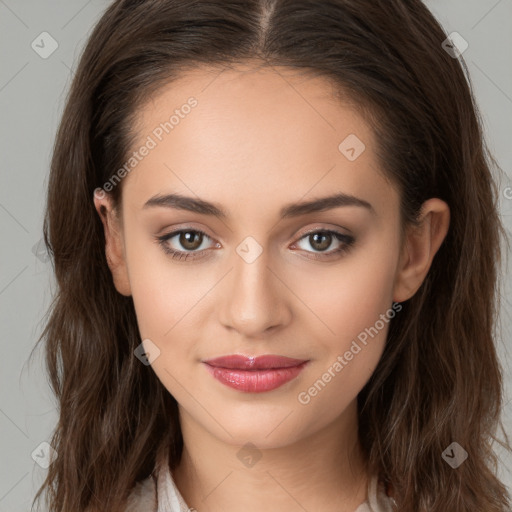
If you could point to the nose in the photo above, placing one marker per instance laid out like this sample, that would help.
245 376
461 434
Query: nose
255 298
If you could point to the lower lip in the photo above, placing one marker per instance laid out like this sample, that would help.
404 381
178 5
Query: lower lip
255 381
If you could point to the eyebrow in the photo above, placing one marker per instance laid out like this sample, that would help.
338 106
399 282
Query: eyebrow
202 207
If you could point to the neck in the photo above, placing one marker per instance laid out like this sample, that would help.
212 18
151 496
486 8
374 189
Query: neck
323 471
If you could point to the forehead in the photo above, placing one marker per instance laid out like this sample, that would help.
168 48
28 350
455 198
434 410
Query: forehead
252 131
262 100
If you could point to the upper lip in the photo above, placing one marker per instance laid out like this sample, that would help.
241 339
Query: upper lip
264 362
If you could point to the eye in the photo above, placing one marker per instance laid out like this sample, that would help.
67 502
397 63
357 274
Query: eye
191 241
321 240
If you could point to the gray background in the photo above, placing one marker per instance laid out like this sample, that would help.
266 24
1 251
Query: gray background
32 93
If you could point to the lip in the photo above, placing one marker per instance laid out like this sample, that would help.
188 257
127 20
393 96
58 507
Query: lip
254 374
264 362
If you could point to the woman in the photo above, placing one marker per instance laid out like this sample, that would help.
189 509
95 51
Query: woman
276 241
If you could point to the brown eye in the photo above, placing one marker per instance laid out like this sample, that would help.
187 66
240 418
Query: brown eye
190 240
321 240
184 243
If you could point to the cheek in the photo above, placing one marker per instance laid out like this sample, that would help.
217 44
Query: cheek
354 306
164 292
350 296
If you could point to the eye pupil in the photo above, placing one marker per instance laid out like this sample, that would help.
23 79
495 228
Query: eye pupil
323 245
188 239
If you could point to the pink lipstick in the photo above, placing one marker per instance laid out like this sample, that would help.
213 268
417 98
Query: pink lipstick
254 374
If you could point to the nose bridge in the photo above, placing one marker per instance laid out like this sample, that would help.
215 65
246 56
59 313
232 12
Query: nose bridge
254 300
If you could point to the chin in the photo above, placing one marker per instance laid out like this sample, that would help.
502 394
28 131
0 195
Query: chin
264 432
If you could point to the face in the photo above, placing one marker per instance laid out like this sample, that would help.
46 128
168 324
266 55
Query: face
310 284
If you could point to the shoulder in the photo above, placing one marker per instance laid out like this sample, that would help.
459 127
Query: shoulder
143 496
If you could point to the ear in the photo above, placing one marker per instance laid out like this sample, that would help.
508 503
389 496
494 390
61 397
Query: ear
419 248
114 246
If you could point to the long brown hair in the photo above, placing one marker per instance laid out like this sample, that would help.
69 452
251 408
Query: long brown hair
439 380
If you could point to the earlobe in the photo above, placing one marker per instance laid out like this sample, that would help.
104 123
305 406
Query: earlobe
420 246
114 250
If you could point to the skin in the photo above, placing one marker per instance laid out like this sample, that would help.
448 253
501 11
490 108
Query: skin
257 140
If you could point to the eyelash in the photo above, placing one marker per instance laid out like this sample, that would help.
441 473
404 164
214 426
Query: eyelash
347 243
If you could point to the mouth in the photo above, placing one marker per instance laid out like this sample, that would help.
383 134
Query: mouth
254 374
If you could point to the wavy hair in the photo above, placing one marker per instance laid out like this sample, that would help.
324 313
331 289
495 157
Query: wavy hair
439 379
